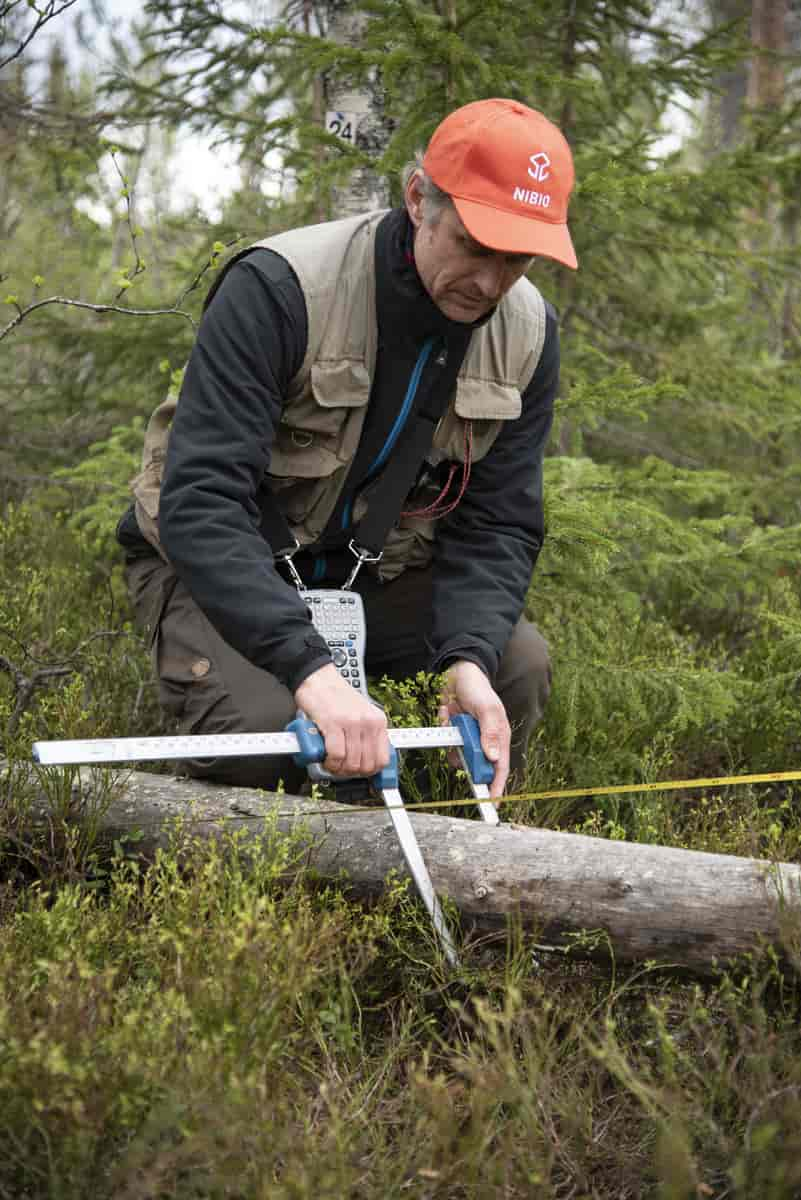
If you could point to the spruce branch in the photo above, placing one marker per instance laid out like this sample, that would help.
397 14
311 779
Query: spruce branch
615 342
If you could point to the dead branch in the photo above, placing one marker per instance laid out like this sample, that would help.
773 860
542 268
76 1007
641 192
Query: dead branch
22 313
26 685
682 908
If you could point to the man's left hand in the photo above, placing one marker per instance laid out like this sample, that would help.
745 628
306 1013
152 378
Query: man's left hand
468 690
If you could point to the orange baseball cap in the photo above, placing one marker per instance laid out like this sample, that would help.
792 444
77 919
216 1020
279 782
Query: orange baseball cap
510 173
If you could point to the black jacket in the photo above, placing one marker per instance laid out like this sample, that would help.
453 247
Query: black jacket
250 343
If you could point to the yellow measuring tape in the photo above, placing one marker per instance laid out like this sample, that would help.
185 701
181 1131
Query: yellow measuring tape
668 785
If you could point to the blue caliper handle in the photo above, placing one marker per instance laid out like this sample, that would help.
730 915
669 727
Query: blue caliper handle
388 777
310 741
478 765
312 750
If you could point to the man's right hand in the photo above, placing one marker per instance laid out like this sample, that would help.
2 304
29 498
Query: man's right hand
353 729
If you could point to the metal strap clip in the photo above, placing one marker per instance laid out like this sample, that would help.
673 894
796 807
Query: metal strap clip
286 556
362 556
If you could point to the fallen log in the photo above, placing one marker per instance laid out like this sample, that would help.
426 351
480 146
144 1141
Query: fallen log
683 908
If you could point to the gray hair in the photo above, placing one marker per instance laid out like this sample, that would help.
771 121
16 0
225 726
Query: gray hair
435 201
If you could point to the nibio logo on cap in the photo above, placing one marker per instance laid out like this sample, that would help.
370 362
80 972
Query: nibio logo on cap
539 166
540 162
486 156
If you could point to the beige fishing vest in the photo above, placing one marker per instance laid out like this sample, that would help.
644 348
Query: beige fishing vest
322 419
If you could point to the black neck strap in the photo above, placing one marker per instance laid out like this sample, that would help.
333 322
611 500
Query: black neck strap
385 495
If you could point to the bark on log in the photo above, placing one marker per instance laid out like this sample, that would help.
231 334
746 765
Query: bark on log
683 908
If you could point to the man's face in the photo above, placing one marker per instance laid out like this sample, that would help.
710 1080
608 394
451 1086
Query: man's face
463 278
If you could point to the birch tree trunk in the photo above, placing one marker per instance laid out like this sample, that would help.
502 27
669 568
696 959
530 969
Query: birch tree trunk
355 113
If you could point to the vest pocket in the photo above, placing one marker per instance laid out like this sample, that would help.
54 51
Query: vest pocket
306 472
486 405
315 443
307 503
146 486
340 383
146 489
409 544
320 428
485 399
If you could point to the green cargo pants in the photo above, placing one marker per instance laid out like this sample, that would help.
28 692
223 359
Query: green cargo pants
205 686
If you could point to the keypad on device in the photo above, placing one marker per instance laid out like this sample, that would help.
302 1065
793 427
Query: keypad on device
334 618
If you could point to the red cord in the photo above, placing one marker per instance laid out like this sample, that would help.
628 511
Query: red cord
433 510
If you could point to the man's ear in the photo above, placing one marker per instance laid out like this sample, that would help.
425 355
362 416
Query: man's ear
414 200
